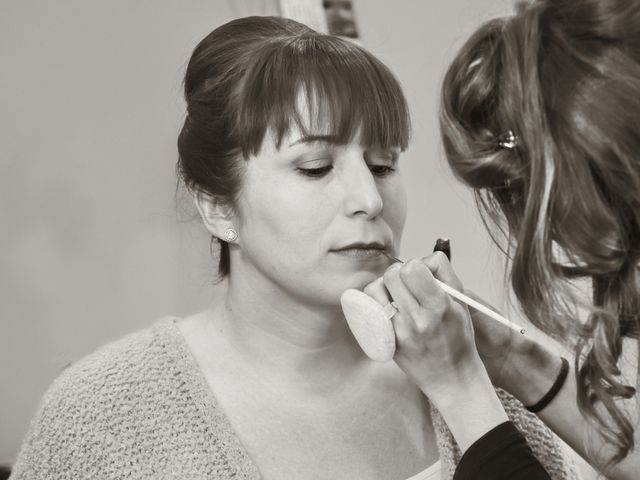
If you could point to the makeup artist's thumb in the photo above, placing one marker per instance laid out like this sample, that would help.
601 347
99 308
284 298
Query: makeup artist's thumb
441 269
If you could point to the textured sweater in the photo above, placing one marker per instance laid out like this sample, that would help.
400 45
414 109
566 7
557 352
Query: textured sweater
141 408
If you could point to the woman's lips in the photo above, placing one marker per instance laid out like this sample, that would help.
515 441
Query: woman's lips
360 252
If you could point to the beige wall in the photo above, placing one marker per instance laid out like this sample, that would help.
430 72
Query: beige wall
92 243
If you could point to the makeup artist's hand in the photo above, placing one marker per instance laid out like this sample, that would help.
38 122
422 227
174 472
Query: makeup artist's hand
511 359
495 342
435 345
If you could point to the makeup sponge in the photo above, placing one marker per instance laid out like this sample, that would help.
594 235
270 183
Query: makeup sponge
370 324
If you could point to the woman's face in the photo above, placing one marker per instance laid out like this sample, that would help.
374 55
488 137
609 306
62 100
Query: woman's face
313 216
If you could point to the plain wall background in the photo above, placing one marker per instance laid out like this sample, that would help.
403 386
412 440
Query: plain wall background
93 244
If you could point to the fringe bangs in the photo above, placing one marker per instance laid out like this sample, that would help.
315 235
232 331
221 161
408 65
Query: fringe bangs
321 85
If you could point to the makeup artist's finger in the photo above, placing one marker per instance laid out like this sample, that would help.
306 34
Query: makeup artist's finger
420 282
441 268
403 297
403 325
378 291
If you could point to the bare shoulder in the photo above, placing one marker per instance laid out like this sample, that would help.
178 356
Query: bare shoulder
204 338
193 325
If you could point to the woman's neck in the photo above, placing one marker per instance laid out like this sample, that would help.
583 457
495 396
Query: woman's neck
286 337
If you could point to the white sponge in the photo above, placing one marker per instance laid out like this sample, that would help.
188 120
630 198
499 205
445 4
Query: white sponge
370 324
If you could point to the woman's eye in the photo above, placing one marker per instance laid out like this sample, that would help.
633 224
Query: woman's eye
381 170
315 172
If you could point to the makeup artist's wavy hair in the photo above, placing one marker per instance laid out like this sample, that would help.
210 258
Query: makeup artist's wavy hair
246 77
564 76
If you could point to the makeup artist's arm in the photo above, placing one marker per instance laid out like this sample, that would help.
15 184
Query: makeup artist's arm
436 349
527 369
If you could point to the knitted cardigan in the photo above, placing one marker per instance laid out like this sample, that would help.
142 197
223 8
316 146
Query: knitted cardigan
141 408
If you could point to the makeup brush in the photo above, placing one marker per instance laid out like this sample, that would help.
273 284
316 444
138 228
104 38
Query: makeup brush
469 301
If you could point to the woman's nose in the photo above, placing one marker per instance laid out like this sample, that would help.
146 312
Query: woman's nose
362 196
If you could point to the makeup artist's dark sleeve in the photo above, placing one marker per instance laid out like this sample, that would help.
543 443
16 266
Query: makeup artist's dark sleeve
500 454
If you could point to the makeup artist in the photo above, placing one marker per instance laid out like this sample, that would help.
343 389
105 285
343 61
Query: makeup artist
541 117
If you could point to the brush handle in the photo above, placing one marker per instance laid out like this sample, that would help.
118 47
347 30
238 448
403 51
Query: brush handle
469 301
478 306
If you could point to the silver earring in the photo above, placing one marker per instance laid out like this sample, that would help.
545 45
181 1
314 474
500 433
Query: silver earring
230 235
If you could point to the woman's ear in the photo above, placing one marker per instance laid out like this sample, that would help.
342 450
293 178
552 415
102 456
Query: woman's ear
216 216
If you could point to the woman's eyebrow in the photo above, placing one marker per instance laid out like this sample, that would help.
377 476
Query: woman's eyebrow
315 138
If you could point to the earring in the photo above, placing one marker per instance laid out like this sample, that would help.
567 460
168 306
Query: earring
230 235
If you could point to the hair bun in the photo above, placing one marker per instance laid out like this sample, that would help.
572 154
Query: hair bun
592 20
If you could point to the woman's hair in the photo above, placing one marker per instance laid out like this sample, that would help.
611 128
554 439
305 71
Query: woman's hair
247 77
564 77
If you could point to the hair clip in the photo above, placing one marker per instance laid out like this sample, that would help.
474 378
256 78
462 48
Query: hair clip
508 140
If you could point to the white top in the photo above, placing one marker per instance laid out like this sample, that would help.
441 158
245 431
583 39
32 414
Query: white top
431 473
